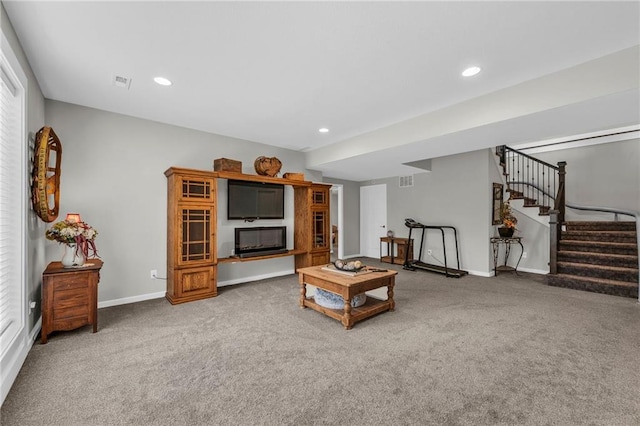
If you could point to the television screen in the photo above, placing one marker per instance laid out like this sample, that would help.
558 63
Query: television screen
254 200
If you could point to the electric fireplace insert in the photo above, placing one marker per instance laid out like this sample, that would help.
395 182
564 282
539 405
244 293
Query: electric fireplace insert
260 241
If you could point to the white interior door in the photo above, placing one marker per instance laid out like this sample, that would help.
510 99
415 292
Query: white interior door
373 219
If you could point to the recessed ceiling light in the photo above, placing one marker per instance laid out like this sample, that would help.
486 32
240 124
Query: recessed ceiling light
471 71
323 130
162 81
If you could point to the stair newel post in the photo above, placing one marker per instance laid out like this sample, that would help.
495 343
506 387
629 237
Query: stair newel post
554 240
501 152
560 201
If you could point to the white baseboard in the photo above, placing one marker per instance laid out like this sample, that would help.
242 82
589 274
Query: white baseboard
481 273
351 256
533 271
256 278
161 294
132 299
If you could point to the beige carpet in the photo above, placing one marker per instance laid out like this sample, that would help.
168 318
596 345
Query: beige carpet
507 350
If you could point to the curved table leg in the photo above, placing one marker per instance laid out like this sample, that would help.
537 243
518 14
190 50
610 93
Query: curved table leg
520 258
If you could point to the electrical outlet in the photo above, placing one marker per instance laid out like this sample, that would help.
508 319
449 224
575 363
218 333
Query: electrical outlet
524 254
429 252
154 274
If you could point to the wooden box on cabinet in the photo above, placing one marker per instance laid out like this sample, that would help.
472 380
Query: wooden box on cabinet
69 297
191 235
227 165
312 230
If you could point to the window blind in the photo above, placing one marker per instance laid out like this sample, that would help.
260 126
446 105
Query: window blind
11 209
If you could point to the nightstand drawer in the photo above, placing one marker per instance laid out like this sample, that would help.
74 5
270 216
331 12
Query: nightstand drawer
70 303
72 282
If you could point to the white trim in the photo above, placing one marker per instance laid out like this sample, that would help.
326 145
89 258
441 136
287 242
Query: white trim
576 141
351 256
338 188
256 278
161 294
133 299
481 273
533 271
9 375
15 353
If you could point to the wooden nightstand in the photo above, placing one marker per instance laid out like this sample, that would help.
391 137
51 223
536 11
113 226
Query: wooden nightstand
69 297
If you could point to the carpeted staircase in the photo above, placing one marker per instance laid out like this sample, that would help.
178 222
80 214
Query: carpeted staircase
593 256
598 256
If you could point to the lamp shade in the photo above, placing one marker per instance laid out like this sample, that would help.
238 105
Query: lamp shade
73 217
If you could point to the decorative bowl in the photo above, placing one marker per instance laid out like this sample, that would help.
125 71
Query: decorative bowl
350 266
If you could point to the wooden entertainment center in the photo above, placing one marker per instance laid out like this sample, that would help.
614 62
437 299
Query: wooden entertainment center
192 259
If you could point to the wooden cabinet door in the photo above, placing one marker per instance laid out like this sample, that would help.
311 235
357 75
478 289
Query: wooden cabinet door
195 282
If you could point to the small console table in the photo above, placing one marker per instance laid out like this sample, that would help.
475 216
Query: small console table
69 297
396 249
507 242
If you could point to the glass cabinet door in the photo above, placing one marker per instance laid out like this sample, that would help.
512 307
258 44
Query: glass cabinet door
320 229
196 189
196 245
319 196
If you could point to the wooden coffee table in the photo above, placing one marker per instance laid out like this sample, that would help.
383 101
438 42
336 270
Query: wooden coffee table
347 286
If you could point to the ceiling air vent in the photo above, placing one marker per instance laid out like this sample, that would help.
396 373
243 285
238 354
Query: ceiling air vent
120 81
405 181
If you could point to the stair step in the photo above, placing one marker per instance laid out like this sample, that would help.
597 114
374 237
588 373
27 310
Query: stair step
599 247
601 226
605 236
544 210
596 285
617 273
604 259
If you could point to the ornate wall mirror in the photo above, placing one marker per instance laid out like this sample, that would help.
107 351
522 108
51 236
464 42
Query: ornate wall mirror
497 204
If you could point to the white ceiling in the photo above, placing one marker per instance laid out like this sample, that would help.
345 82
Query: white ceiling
275 72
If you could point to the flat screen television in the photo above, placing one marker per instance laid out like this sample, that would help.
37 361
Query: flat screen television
254 200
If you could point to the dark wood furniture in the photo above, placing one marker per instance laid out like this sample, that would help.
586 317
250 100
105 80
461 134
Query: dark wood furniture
507 242
396 250
69 297
192 258
347 286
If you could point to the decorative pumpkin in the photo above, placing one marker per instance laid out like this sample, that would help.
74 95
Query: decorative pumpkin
267 166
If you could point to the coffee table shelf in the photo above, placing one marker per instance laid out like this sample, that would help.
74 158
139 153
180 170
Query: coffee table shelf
371 307
347 287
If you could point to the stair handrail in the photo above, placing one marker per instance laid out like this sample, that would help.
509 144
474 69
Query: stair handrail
507 148
554 229
559 170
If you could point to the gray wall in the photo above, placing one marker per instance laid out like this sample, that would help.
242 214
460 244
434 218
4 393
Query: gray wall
113 175
456 192
602 175
35 120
